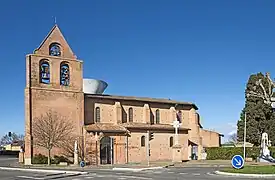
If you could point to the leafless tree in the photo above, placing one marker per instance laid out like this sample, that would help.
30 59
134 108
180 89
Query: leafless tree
14 138
51 130
266 93
68 147
233 139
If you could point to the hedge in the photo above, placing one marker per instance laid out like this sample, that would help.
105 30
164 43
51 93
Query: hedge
226 153
42 159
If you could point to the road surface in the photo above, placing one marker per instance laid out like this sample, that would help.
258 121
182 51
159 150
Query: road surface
161 174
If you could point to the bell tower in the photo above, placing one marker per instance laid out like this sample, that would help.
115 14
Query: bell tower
54 81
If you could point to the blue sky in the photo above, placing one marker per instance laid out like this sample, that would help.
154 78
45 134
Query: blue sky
198 51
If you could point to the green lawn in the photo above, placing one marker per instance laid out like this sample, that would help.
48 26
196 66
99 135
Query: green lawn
252 170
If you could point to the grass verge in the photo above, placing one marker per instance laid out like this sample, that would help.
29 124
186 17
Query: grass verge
252 170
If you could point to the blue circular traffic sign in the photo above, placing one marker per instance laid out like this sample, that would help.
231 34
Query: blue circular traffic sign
237 162
82 164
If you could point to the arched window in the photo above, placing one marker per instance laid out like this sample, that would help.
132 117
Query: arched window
64 74
157 116
179 116
55 49
142 141
97 114
44 72
130 115
171 141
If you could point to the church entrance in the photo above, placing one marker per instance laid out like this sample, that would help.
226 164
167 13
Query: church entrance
106 150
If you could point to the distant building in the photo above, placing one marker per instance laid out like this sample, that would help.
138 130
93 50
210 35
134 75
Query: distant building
15 146
114 127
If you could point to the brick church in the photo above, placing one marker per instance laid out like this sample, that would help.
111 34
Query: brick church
114 129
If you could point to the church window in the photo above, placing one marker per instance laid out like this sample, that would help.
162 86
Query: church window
64 74
157 116
171 141
97 114
44 72
179 116
55 49
142 141
130 115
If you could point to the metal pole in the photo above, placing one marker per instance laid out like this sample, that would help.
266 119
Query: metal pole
148 148
111 139
176 136
244 138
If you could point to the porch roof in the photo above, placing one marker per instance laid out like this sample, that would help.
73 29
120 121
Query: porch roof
152 126
123 128
105 127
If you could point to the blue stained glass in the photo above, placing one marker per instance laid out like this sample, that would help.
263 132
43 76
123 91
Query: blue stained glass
45 73
55 50
65 75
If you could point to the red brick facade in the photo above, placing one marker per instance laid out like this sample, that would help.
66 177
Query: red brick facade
97 117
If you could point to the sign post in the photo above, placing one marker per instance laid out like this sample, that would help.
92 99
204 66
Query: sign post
237 162
82 164
148 148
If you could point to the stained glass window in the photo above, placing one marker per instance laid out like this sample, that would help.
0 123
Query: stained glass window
64 74
97 114
179 116
44 72
171 141
157 116
142 141
130 114
55 49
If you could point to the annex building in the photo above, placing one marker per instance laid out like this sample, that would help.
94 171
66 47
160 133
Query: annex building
114 129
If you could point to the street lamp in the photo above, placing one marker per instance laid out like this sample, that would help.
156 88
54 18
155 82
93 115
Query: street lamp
244 135
96 153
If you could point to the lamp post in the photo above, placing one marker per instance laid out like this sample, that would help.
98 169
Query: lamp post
96 153
244 134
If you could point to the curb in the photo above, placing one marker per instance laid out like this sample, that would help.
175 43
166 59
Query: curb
200 166
43 170
136 169
243 175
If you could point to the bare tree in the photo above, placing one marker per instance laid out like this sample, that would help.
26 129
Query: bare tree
51 130
68 147
233 139
14 138
266 93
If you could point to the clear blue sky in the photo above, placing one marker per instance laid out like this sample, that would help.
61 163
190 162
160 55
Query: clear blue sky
198 51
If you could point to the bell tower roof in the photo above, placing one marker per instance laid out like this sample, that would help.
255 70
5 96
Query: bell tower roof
56 38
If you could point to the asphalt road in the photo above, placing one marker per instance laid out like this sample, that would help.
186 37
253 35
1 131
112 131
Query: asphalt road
162 174
7 160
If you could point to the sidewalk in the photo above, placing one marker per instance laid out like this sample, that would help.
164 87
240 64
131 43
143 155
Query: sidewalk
137 166
215 163
152 165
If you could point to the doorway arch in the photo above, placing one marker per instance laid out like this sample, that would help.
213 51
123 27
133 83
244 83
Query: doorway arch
106 150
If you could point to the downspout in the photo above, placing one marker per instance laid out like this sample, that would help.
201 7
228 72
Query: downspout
30 106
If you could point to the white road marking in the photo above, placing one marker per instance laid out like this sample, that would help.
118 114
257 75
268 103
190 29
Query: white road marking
196 174
136 177
88 177
28 177
157 172
8 159
101 176
183 173
121 178
170 172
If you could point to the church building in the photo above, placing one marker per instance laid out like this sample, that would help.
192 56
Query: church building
114 129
